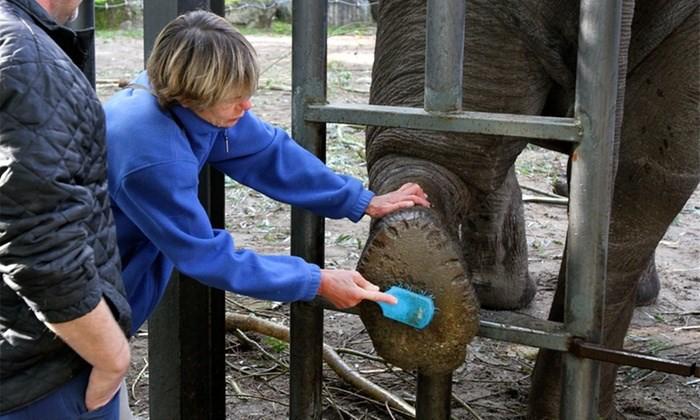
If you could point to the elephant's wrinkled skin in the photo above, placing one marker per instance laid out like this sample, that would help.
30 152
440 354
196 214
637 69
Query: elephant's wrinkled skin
520 57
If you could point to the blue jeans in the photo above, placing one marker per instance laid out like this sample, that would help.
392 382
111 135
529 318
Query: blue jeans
66 403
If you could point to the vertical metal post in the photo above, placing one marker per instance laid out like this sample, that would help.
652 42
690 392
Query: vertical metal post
444 55
433 397
157 13
84 25
589 209
309 32
444 58
186 332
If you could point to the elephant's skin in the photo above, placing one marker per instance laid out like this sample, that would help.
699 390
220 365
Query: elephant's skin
520 58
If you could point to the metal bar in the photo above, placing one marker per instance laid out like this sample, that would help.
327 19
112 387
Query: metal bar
505 326
186 332
630 358
433 397
514 327
308 85
523 329
306 375
84 26
186 337
444 55
589 207
157 14
529 126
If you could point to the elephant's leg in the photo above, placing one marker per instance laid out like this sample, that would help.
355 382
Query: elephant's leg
649 284
501 74
658 170
418 248
499 269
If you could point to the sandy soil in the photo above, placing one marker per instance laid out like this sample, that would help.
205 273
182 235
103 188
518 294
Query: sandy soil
494 380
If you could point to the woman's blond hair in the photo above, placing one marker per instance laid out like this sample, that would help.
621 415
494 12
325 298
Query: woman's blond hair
199 59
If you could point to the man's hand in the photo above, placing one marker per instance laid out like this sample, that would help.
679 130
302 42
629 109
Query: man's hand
347 288
97 338
408 195
104 384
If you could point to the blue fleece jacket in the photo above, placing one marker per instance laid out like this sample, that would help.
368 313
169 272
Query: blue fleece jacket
154 159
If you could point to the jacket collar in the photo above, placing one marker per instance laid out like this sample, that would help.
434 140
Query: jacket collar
184 117
193 122
38 13
74 43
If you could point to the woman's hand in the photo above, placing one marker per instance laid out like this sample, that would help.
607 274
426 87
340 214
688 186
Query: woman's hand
408 195
347 288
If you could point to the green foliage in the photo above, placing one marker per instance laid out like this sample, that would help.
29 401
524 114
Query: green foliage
355 28
114 33
109 14
277 28
339 76
277 346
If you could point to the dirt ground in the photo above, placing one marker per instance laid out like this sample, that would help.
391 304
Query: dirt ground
493 383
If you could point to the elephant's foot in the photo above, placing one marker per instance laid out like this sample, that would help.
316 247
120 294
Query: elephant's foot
413 249
495 248
649 285
561 186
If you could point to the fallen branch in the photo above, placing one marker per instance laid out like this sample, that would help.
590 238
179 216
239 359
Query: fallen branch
334 361
543 192
138 378
241 335
545 200
119 82
360 354
466 407
275 62
680 313
687 327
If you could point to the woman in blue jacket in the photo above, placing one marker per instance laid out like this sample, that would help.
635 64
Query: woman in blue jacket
192 107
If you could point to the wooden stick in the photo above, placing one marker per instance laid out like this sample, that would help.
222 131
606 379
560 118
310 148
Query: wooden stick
262 326
543 192
545 200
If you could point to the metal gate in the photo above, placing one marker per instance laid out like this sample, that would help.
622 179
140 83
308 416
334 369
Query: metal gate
591 129
177 348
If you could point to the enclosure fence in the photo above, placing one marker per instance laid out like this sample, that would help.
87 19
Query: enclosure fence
186 334
591 128
138 4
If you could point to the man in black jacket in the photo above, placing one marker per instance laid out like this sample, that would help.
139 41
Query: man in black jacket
63 312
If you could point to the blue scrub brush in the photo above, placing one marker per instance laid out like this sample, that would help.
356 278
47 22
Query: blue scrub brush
412 309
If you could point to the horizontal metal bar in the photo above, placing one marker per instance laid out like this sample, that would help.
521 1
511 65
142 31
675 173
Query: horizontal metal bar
524 329
527 126
504 326
630 358
530 331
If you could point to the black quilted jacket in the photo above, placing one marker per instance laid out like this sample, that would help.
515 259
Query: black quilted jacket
58 252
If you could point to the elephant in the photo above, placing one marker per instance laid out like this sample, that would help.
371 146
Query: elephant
520 58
